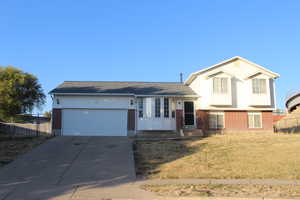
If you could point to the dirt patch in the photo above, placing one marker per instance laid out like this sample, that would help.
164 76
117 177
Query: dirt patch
11 147
221 190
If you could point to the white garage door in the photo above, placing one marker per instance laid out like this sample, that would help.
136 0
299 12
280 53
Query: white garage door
83 122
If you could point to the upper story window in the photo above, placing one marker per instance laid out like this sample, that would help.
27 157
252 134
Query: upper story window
259 86
140 107
157 107
166 108
220 85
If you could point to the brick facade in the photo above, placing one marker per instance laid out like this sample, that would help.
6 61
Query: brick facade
202 119
56 118
56 121
179 119
131 120
235 121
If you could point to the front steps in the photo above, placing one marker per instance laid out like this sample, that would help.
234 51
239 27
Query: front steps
193 132
157 134
186 132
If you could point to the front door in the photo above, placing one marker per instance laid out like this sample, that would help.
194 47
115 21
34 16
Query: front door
189 113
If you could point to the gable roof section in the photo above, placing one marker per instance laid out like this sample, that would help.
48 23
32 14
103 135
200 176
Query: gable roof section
217 73
194 75
123 88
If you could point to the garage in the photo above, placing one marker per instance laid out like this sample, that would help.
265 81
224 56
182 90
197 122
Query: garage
94 122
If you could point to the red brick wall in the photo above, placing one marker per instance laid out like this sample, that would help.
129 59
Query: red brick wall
56 119
202 119
179 119
235 120
267 118
131 120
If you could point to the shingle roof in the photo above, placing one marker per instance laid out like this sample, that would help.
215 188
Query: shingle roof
115 87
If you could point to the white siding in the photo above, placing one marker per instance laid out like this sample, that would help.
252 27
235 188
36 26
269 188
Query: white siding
241 89
150 122
94 102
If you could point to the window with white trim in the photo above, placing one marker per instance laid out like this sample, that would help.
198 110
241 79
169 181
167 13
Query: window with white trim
259 86
141 107
157 107
254 120
166 108
220 85
216 120
173 105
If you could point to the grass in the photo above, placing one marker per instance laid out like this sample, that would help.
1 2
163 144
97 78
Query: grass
220 190
13 146
234 156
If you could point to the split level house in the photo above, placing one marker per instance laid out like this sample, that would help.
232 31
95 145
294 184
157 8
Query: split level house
235 95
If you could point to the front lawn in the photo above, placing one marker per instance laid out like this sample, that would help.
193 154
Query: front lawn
234 156
219 190
11 147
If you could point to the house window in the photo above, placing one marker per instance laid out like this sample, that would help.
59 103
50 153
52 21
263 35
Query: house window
140 107
148 107
254 120
173 109
259 86
166 108
216 120
220 85
157 107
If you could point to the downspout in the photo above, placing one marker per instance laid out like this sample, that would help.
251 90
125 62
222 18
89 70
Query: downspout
274 94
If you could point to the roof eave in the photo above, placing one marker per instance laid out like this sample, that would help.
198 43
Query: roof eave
118 94
91 94
193 75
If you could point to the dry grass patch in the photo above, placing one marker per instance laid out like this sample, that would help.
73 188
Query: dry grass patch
220 190
11 147
261 156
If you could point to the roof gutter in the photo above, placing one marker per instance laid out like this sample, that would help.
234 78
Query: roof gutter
191 96
92 94
117 94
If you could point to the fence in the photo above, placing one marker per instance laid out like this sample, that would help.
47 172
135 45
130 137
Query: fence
26 129
289 125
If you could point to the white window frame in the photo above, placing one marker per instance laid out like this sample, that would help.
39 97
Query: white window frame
140 107
216 124
157 104
220 90
166 100
259 89
252 114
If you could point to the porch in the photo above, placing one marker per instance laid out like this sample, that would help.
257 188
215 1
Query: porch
165 116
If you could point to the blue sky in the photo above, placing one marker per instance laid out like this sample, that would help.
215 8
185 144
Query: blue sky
142 40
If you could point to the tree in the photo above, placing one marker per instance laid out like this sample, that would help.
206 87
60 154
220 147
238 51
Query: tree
47 114
20 92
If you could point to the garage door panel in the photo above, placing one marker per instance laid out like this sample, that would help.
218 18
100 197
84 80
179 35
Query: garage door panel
85 122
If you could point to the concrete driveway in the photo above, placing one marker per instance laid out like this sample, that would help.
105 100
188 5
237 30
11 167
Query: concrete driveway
73 168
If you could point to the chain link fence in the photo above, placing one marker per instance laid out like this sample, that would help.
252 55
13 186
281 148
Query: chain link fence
26 129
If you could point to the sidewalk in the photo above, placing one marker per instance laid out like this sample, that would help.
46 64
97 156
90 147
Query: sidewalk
217 181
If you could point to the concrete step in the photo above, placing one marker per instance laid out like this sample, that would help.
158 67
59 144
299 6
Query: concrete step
157 134
193 132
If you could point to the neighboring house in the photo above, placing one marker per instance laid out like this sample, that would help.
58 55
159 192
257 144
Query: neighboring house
233 96
293 101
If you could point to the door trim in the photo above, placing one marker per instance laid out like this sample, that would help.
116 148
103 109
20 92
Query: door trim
194 113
